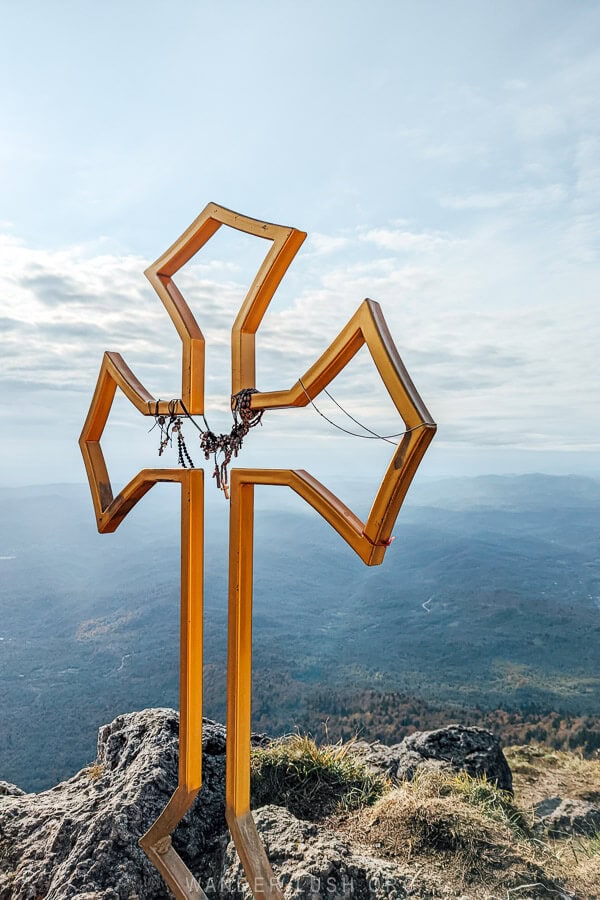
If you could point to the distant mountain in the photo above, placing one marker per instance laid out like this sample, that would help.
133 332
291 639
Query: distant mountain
490 596
509 492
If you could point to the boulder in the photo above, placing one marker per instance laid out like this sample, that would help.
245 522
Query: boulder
453 748
10 790
311 862
80 839
379 757
564 817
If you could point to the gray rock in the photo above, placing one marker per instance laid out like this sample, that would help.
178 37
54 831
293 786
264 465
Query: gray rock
454 748
472 750
79 839
562 817
10 790
546 807
311 862
381 758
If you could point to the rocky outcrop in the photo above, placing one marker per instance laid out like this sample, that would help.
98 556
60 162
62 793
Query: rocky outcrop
313 862
79 840
10 790
563 817
454 748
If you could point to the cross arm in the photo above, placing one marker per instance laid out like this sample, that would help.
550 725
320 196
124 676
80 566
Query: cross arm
367 326
110 510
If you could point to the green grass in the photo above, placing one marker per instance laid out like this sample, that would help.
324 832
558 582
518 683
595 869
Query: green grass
495 803
311 781
593 844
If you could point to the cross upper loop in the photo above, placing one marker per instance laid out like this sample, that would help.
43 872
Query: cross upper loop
367 326
286 242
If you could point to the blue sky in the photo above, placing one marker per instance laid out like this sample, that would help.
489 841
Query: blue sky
443 157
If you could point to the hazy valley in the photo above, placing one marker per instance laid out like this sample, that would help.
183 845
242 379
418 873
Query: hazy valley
489 598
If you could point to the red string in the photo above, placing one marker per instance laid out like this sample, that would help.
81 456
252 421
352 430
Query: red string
380 543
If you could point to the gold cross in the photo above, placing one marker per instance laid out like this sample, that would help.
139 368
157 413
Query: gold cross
368 539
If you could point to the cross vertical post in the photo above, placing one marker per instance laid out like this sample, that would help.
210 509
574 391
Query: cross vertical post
157 841
239 694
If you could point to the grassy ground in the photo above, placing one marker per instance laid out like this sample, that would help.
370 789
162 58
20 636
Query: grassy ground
467 837
312 782
539 772
461 837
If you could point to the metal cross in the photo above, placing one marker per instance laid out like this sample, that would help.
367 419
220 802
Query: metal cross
368 539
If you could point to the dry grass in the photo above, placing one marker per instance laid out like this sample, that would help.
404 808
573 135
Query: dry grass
461 832
577 862
460 837
95 771
539 772
312 782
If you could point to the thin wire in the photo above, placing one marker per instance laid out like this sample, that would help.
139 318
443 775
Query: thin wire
192 420
360 424
372 436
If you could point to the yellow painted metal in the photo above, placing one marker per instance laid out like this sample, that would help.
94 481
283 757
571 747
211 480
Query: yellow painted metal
239 694
157 840
366 327
285 244
368 539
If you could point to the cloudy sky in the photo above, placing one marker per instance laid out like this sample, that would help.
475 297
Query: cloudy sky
444 158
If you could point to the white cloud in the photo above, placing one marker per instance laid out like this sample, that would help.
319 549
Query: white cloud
404 241
528 198
496 362
324 244
540 122
493 308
